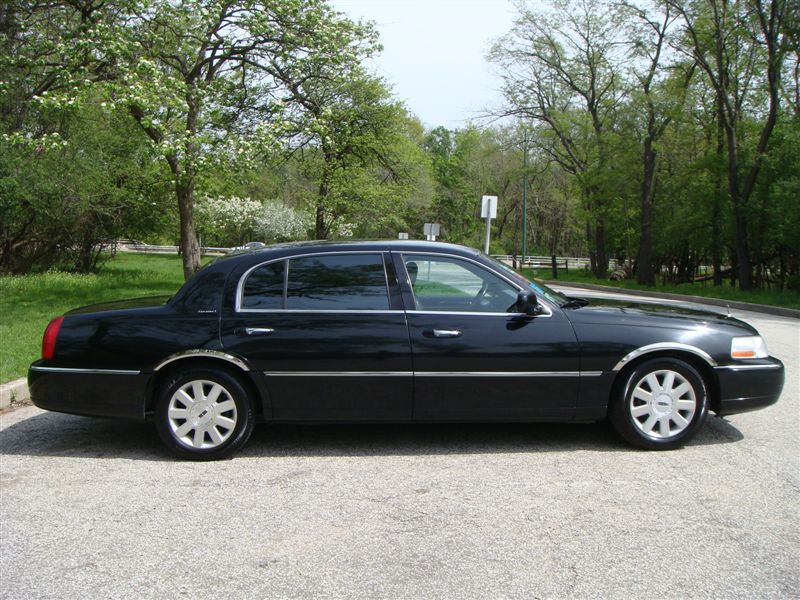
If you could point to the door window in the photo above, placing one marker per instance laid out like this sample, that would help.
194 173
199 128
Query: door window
337 282
325 282
263 288
448 284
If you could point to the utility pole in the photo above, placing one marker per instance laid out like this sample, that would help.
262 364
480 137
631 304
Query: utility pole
524 195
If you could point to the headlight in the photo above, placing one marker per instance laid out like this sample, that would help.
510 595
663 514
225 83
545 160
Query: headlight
748 347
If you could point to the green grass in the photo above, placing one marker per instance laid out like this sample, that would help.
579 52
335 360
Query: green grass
772 297
28 302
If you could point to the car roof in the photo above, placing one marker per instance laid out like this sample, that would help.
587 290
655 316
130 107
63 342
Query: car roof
289 248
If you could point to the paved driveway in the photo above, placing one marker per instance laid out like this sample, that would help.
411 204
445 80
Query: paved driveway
95 509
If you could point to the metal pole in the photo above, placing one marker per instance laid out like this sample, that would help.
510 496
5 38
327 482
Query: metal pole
524 195
488 233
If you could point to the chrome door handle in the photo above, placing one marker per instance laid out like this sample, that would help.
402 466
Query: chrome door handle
258 330
446 333
253 331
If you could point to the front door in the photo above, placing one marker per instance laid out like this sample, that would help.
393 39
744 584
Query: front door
474 357
327 334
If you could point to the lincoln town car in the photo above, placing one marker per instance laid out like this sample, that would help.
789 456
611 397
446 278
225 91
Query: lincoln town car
394 331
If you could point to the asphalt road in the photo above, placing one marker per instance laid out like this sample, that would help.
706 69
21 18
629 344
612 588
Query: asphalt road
96 509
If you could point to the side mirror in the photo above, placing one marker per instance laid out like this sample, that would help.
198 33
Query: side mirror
528 303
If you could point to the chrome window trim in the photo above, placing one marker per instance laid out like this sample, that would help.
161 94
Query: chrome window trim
479 264
237 307
83 371
664 346
216 354
475 314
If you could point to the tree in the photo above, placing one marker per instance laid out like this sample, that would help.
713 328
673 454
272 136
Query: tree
741 47
355 141
201 78
559 70
62 206
662 96
205 79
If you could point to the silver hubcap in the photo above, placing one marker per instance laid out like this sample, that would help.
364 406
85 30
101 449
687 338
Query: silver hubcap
662 404
202 414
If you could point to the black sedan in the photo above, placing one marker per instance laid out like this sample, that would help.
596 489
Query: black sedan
394 331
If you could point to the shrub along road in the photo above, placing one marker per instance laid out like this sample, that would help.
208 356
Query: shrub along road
94 508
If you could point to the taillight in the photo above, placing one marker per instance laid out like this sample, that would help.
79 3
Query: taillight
49 338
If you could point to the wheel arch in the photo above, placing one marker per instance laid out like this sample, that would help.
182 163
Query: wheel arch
199 359
701 361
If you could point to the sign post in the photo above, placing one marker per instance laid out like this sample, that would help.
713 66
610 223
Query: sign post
488 212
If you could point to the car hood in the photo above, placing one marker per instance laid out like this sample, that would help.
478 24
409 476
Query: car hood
127 304
650 314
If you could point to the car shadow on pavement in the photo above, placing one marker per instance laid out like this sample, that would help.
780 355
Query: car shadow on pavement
54 434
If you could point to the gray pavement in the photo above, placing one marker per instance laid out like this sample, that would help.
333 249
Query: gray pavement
96 509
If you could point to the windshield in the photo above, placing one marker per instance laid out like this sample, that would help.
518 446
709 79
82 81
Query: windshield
537 286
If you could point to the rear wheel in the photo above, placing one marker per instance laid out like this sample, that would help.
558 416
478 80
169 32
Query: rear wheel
661 405
204 414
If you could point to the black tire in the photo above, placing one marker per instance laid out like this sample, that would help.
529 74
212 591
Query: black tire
666 420
211 429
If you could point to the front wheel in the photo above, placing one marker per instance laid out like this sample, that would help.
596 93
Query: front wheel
204 414
661 405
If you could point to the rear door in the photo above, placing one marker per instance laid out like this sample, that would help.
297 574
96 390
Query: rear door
329 333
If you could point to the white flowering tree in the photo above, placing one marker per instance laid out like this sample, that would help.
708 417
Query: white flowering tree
227 221
233 221
279 223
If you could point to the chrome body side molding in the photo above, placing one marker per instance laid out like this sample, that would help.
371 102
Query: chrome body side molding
433 373
83 371
338 373
750 367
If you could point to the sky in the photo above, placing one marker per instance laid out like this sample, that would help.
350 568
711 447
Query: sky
434 53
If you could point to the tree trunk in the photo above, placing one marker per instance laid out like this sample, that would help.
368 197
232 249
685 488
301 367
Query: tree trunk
320 227
601 255
644 261
742 250
190 249
716 206
320 231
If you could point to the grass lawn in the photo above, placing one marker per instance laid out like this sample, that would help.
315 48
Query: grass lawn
773 297
28 302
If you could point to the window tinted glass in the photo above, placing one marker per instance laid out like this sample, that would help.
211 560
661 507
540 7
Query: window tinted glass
264 287
449 284
337 282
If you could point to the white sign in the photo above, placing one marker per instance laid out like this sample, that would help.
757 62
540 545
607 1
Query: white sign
431 229
402 236
489 207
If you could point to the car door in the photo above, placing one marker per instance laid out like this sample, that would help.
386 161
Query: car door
474 357
328 332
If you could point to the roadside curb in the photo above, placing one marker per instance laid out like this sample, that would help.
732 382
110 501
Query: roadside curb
778 311
14 393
